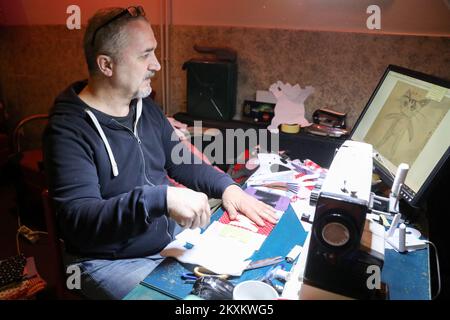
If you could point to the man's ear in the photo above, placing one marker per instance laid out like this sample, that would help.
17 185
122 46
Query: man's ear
105 64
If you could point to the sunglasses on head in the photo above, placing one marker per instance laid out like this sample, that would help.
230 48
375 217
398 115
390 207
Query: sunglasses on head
134 11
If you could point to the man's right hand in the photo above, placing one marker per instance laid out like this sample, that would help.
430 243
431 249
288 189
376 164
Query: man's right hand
190 209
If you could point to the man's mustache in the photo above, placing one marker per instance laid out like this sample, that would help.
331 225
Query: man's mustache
150 75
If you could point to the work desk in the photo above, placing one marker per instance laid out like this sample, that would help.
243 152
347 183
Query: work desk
406 275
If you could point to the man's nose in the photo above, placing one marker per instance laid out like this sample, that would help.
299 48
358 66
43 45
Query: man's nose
154 65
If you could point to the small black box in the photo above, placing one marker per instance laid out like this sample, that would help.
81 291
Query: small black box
259 111
211 88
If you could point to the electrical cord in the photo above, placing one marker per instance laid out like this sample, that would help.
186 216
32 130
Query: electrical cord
438 270
27 233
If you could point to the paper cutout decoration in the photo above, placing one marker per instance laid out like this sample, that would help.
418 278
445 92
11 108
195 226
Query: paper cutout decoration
290 108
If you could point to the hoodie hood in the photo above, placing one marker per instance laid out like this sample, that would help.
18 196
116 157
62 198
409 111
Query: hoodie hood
69 103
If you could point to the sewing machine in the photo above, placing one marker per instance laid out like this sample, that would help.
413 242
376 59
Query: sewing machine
343 246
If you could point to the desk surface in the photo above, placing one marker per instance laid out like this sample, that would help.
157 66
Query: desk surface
407 275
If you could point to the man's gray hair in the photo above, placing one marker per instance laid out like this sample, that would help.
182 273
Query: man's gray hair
109 39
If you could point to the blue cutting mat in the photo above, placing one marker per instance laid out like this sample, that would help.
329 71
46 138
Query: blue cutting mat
166 278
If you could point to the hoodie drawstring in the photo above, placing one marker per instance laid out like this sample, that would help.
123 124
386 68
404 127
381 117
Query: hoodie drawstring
115 168
138 115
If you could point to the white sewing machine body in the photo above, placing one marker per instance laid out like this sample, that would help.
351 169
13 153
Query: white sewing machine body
350 173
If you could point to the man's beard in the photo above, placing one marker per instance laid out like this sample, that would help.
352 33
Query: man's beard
144 93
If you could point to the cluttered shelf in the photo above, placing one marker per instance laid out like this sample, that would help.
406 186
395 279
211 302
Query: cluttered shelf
219 124
301 145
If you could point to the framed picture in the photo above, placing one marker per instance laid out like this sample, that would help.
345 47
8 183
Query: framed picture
407 120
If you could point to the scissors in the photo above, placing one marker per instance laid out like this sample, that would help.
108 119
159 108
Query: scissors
203 272
199 272
188 276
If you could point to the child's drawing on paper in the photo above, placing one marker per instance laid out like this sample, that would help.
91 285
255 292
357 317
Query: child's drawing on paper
406 122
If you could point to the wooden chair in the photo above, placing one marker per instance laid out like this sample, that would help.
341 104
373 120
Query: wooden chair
56 248
28 169
55 255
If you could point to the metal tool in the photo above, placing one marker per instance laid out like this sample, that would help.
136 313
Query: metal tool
264 262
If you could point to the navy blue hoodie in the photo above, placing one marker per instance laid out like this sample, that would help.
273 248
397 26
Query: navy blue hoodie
112 203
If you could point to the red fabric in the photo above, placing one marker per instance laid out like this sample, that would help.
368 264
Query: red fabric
27 288
265 231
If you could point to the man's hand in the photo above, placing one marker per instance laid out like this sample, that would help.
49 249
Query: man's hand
190 209
235 200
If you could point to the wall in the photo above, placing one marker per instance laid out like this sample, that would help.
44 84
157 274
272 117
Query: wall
39 56
417 17
50 12
38 63
344 68
308 42
425 17
323 43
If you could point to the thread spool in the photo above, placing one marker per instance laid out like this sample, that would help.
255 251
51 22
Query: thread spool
293 254
402 238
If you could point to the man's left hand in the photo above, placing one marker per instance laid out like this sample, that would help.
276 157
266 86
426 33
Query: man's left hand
235 201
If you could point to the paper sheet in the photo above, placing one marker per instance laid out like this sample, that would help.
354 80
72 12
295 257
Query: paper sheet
223 249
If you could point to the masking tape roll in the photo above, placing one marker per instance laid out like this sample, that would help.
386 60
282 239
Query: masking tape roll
290 128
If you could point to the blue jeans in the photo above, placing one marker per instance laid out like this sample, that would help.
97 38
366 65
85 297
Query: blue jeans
103 279
113 279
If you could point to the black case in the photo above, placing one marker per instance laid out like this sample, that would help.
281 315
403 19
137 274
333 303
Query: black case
211 88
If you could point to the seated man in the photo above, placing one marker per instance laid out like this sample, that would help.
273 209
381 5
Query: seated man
108 154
